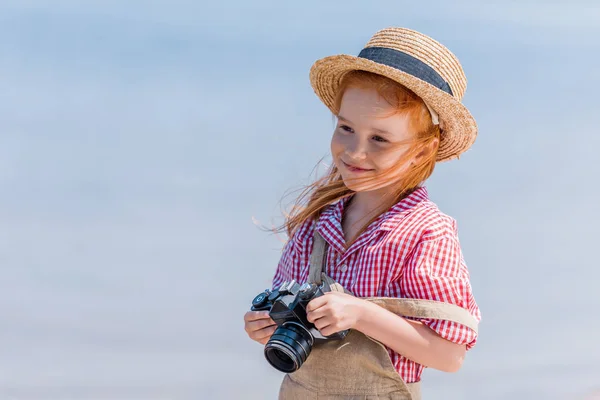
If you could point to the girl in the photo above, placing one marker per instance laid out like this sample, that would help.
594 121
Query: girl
407 299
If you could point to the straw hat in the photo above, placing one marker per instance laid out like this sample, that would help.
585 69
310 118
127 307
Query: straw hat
417 62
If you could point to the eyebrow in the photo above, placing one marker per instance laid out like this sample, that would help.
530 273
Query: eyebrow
375 130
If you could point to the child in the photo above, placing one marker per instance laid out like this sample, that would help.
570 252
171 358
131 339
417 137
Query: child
407 302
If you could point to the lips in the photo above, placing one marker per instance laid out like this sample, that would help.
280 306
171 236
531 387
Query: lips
355 169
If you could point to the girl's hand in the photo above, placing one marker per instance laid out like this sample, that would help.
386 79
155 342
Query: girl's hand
259 326
334 312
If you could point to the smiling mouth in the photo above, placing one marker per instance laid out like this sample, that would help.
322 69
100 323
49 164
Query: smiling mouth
355 169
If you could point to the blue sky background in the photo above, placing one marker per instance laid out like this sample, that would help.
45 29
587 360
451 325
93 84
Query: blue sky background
139 139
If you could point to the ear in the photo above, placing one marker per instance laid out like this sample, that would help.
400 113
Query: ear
426 150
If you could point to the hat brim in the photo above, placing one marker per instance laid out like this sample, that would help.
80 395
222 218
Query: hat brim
460 128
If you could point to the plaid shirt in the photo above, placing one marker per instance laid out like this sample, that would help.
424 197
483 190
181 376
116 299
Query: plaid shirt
410 251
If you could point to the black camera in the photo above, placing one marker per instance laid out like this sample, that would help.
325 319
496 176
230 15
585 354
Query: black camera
292 341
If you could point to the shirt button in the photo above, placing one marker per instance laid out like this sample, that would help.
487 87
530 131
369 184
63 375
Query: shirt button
344 268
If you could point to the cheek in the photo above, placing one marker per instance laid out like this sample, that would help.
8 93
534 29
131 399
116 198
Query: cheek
336 144
386 160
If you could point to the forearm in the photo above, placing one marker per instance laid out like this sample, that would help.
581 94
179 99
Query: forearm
411 339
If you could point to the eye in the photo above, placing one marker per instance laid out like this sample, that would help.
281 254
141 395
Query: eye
346 128
379 139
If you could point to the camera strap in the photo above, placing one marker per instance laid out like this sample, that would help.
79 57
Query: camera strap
318 266
318 259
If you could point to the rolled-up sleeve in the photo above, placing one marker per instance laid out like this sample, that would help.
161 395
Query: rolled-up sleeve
437 271
294 255
285 266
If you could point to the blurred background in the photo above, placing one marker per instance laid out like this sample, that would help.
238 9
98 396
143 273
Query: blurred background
139 140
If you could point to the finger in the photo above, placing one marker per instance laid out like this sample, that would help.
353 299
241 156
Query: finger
329 327
259 324
329 330
312 316
323 323
265 333
317 303
254 315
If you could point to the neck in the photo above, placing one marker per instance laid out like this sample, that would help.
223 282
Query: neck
371 203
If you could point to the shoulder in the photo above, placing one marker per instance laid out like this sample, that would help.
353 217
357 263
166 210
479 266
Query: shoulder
436 224
426 222
302 236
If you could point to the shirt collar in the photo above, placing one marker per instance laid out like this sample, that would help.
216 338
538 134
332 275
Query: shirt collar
329 224
398 211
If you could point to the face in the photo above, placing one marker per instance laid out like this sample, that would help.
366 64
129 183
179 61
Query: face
368 138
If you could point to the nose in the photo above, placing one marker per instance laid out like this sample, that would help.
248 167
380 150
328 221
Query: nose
356 149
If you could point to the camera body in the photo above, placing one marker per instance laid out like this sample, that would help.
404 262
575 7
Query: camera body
287 304
292 341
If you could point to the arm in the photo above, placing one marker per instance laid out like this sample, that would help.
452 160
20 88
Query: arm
412 339
436 271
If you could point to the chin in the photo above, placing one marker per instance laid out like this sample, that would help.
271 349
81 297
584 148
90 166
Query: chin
352 184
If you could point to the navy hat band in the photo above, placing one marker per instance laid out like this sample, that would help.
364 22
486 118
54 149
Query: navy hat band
406 63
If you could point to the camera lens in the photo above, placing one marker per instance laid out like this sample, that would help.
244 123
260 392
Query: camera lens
289 347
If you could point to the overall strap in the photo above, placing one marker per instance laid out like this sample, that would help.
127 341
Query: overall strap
427 309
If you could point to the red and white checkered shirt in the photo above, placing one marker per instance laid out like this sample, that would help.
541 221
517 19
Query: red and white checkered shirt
410 251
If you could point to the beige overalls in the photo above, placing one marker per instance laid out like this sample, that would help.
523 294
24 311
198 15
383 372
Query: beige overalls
360 367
